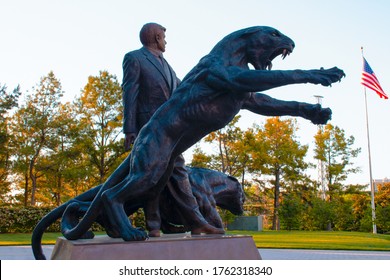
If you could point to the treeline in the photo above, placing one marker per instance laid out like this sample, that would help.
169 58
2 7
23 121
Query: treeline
52 151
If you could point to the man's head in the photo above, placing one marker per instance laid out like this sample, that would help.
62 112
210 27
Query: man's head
152 35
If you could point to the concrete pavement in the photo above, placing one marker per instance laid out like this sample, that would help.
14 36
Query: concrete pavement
25 253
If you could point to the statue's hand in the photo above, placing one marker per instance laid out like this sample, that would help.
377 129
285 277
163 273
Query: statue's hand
129 140
326 77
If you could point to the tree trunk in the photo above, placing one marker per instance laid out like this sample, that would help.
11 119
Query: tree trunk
59 190
221 155
33 184
243 177
25 189
31 170
33 178
275 218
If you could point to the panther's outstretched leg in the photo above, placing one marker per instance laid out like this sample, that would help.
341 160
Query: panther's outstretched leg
268 106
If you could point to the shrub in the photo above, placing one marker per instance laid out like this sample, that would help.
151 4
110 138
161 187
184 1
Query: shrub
290 212
24 220
383 218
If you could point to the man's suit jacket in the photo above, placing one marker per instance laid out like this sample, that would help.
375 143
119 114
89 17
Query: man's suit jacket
145 88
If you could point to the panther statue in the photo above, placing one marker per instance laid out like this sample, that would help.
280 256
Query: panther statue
208 98
210 188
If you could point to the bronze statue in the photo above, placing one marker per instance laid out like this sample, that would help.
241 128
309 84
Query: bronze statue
208 98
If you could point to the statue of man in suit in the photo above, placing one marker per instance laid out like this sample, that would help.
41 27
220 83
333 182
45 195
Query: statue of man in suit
148 82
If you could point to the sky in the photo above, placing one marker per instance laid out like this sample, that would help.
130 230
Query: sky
76 39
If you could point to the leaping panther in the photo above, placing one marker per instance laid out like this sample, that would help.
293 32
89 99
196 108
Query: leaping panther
208 98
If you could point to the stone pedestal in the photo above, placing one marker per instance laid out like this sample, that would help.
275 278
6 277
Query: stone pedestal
166 247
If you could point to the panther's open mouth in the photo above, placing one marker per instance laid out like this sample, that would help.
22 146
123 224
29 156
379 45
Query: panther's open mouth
281 51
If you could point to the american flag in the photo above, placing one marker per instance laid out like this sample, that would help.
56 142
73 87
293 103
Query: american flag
370 80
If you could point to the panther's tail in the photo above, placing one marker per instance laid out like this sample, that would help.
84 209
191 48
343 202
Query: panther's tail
74 231
51 217
44 223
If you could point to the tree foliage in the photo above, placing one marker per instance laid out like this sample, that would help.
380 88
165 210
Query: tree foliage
283 159
335 150
100 111
35 126
63 149
8 101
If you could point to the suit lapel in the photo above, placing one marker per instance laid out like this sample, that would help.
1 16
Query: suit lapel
150 57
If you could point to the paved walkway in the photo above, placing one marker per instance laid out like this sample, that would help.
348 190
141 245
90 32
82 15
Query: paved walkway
25 253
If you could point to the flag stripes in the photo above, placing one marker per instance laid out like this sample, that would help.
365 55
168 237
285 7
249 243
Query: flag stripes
370 81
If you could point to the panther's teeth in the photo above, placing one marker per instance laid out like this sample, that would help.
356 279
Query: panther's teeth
285 53
269 66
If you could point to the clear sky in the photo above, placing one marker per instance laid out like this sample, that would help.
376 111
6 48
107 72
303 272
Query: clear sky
78 38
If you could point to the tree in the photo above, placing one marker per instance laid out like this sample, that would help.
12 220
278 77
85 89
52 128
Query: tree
257 199
200 159
22 145
64 162
100 110
277 153
42 108
7 102
337 152
34 127
231 145
65 149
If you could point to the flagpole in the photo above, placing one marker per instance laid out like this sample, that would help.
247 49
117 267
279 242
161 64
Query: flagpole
370 166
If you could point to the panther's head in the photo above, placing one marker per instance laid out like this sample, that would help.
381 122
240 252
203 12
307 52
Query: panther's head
257 45
226 190
230 195
264 44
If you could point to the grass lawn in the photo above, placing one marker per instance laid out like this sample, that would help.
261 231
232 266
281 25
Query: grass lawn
328 240
331 240
12 239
